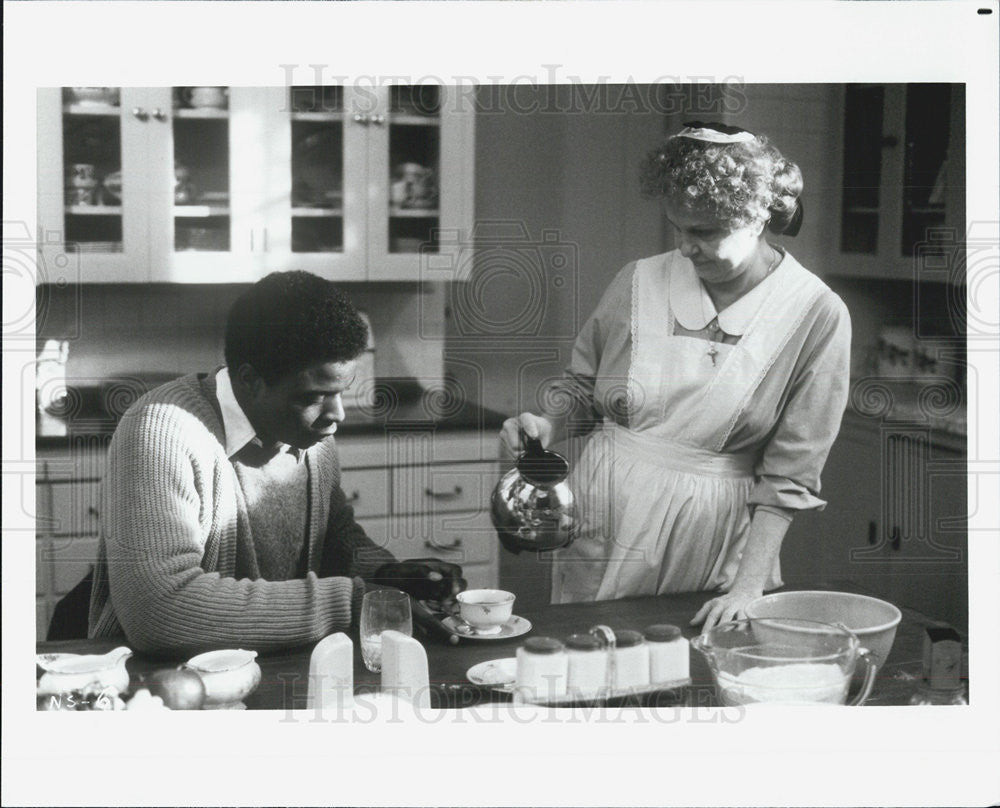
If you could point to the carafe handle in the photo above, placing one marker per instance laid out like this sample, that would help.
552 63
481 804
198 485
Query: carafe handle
871 668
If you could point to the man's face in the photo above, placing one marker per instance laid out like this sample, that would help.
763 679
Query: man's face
303 408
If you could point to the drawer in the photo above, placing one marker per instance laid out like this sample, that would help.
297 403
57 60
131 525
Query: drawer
71 558
41 619
367 491
443 488
460 538
75 508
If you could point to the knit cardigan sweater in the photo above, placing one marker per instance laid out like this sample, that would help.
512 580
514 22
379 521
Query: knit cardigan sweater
176 569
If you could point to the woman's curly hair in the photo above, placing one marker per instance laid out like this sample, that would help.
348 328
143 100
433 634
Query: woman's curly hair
739 184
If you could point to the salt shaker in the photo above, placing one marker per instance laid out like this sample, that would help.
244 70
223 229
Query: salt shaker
669 653
587 664
542 668
942 668
631 660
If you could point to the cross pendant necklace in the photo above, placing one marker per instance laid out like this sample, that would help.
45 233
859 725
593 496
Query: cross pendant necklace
712 352
714 329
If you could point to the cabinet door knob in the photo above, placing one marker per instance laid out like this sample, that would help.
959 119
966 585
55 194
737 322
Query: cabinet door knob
457 492
362 119
140 113
872 533
354 497
895 539
378 120
432 545
93 511
159 114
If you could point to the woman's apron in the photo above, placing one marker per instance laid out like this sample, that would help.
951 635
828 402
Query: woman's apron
662 507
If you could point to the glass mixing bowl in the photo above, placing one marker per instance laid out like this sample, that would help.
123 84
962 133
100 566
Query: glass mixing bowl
784 661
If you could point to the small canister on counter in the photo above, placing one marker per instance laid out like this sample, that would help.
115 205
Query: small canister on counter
669 653
587 664
631 660
541 668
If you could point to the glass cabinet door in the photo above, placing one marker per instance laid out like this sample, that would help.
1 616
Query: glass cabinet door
421 167
201 168
88 140
316 182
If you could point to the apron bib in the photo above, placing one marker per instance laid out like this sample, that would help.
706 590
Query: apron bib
663 508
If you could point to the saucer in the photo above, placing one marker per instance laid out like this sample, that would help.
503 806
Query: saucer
514 627
496 674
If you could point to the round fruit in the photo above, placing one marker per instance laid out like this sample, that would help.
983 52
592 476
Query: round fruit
180 688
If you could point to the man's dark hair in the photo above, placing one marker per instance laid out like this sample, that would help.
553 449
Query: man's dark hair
290 320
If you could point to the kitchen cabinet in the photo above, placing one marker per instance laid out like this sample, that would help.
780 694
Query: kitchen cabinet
902 167
416 492
896 519
222 185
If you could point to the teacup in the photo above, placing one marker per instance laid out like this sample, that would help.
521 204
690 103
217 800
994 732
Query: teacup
486 610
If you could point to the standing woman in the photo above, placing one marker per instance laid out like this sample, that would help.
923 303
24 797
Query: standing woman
719 372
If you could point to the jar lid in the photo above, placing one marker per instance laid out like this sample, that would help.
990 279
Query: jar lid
661 632
626 639
583 642
543 645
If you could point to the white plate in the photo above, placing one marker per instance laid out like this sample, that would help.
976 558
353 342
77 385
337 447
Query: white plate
514 627
497 674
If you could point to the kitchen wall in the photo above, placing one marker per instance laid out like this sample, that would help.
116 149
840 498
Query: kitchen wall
559 213
171 329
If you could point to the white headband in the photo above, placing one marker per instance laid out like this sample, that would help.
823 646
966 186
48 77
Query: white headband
714 135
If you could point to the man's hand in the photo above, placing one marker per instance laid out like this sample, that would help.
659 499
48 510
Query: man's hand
422 578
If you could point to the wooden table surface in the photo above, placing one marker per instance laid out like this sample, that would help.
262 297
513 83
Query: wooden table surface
284 675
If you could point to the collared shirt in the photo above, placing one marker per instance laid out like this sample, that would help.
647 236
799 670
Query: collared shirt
239 431
694 310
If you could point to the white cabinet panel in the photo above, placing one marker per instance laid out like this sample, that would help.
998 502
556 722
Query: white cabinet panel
76 508
367 491
437 489
71 558
41 619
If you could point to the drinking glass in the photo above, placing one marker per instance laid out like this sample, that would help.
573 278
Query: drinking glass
382 610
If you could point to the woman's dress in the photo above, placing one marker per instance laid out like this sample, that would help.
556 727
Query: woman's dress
697 433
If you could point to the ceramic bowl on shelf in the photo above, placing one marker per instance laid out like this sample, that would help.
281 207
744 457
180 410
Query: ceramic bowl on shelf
93 95
873 621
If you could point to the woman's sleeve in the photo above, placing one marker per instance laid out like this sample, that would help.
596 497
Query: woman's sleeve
788 473
575 391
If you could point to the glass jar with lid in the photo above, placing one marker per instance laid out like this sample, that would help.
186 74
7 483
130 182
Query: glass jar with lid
587 664
631 660
541 668
669 653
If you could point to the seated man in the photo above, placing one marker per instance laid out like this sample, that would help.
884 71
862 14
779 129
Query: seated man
223 520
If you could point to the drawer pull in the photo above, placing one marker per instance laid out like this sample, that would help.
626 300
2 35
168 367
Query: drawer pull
457 492
872 533
430 545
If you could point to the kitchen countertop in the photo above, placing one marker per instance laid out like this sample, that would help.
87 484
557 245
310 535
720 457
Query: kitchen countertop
285 674
396 404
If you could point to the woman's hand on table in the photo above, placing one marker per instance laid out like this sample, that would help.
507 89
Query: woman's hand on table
534 426
725 607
